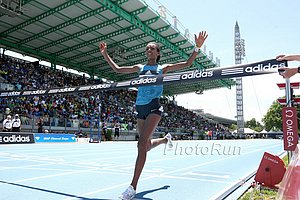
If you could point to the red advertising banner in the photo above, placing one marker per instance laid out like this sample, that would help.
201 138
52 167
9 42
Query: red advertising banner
290 128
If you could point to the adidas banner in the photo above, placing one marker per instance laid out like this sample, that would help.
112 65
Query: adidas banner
250 69
16 138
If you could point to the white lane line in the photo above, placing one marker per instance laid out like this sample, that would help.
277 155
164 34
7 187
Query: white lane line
49 176
107 188
49 169
195 179
23 166
207 175
61 174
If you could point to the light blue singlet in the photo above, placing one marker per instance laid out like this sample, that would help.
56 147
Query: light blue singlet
147 93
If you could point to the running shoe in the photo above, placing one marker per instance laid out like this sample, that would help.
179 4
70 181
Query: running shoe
169 138
128 194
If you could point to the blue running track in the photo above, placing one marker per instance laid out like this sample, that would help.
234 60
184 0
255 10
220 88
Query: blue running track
191 170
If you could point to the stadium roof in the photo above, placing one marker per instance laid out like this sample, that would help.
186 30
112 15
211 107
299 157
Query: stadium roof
67 33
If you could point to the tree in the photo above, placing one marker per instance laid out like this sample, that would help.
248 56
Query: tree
233 127
254 125
273 119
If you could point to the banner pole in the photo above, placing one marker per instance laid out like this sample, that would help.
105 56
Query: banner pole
288 104
288 93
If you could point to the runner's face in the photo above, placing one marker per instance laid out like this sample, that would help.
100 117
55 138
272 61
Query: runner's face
151 50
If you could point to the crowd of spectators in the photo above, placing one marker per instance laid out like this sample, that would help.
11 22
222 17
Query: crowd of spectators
114 106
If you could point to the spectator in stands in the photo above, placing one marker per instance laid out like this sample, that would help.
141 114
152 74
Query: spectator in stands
40 125
117 130
16 123
79 134
147 102
291 71
7 111
7 124
104 131
209 135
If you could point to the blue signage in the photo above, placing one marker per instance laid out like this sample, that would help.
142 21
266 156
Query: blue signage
39 137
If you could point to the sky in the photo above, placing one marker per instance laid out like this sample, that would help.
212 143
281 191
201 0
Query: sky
269 28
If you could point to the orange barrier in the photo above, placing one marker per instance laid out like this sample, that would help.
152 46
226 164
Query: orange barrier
289 188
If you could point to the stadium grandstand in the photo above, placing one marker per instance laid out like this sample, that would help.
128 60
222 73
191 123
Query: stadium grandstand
67 33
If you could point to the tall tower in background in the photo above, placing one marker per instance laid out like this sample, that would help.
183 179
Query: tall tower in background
239 52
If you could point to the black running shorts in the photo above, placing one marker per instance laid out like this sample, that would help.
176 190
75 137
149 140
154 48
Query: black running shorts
145 110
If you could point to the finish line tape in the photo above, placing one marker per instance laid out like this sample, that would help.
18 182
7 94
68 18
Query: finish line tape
250 69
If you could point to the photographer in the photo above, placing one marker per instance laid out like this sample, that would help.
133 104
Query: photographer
16 124
7 124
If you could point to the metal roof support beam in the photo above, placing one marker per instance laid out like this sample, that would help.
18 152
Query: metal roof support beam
134 48
23 2
70 37
76 35
53 64
39 54
122 42
141 25
226 84
80 33
39 17
115 44
125 30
